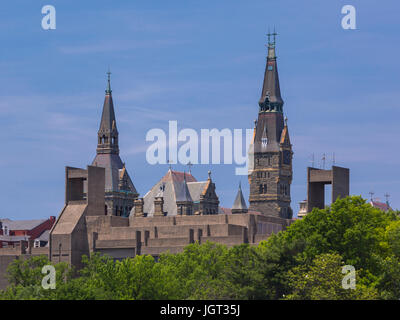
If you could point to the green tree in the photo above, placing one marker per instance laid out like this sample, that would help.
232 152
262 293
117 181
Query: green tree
322 280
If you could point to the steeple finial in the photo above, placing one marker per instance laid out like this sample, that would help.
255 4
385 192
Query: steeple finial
271 44
108 90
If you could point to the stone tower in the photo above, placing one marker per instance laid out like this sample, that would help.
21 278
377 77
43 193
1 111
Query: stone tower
270 153
120 193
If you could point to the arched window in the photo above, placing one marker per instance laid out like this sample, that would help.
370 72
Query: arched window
265 188
261 189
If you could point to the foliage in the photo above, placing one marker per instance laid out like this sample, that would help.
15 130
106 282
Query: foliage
303 262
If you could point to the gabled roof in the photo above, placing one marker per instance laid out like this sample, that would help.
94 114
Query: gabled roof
175 189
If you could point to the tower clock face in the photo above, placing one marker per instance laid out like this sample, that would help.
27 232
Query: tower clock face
286 157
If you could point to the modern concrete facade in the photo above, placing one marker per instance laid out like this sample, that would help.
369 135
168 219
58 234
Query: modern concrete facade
338 177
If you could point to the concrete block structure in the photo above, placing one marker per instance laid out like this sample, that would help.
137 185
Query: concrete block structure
338 177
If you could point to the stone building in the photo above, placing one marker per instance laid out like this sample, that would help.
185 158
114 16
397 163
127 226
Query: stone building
120 193
178 193
178 209
270 175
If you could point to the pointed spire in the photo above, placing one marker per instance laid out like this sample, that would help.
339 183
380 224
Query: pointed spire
239 206
271 99
108 133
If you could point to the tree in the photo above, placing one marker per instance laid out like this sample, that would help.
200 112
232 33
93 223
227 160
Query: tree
322 280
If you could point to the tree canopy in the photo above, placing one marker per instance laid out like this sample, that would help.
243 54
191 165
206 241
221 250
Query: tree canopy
303 262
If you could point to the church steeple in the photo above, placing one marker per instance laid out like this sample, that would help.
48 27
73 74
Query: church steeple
271 100
108 133
271 173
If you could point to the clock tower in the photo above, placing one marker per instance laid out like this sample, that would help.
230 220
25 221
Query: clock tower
270 172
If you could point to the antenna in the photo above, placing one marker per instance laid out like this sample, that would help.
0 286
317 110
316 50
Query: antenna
189 164
312 160
371 193
169 164
387 195
333 159
323 161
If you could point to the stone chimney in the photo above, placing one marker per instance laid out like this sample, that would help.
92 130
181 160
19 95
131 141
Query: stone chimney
139 207
158 206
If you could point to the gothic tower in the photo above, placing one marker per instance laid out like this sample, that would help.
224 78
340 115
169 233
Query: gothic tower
270 173
120 193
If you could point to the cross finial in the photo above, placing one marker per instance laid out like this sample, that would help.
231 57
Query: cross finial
269 34
274 34
169 164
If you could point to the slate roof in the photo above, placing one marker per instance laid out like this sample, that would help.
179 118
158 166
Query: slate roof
271 87
108 122
113 164
174 190
22 224
239 203
44 236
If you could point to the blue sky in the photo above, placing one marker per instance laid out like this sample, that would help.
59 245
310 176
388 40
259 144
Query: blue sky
202 64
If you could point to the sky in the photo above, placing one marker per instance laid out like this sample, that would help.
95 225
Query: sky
200 63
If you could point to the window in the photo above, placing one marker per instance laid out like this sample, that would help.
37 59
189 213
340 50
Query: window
265 188
264 142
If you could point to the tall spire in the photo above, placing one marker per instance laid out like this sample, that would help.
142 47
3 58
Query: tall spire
108 133
271 100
